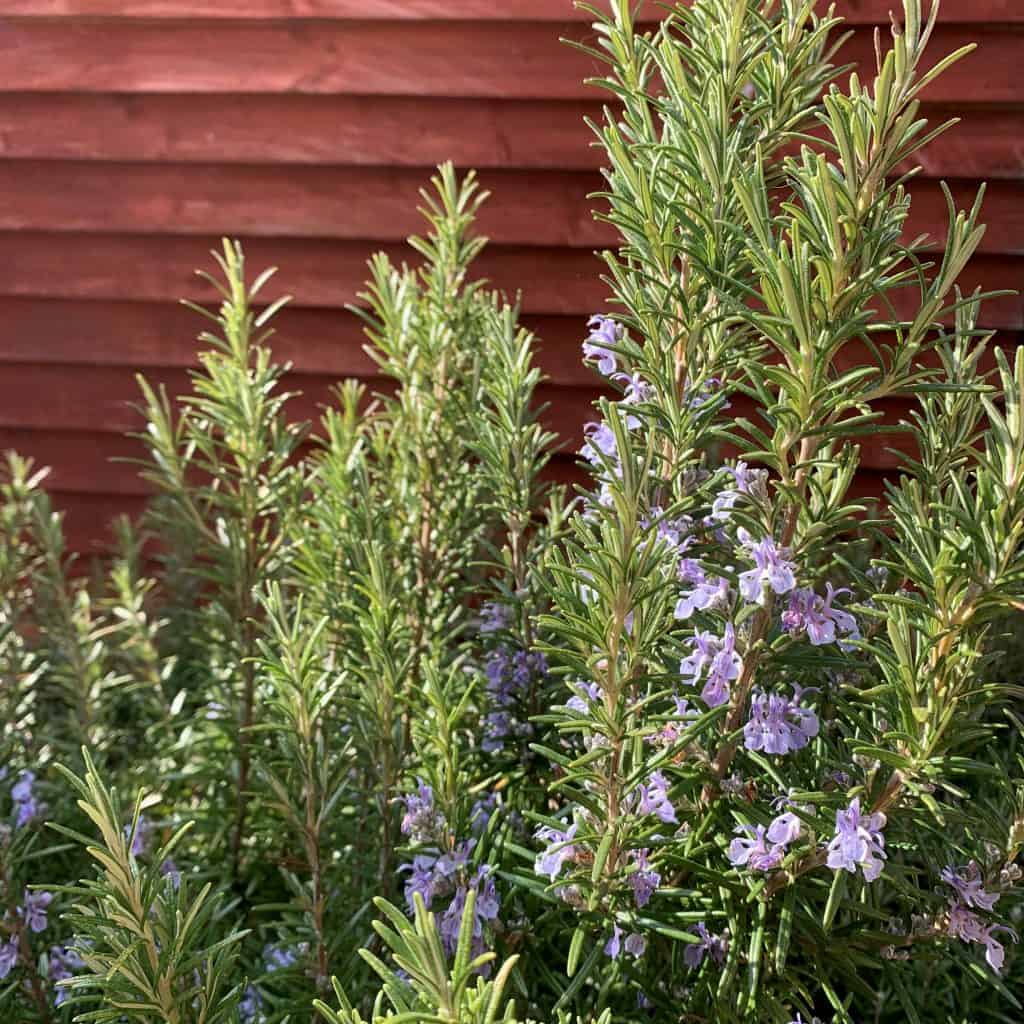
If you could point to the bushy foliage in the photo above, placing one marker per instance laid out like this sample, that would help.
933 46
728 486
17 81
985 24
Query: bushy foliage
368 721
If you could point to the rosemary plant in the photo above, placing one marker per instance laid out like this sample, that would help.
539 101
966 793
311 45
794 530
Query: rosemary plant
368 720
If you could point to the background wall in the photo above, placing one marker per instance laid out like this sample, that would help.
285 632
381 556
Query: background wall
134 133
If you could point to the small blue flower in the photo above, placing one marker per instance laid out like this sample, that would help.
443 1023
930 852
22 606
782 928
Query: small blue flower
653 799
422 820
8 956
25 802
644 881
33 913
779 725
604 333
559 850
858 842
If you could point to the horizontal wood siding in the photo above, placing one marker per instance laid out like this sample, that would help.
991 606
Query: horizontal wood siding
134 132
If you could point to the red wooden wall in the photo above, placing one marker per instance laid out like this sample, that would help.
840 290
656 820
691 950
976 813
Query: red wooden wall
133 133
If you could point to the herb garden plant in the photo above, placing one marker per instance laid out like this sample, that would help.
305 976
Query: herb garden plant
368 721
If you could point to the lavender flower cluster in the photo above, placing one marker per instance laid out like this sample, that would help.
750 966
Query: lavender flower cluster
510 672
27 807
436 875
964 923
32 914
763 848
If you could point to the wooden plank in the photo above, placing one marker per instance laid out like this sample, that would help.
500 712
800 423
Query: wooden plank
148 336
87 462
338 130
318 273
152 337
523 60
989 75
379 205
104 399
988 143
88 518
330 274
854 11
387 131
94 463
546 208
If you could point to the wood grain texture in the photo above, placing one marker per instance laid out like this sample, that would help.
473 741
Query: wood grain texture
386 131
315 272
324 273
523 60
854 11
378 205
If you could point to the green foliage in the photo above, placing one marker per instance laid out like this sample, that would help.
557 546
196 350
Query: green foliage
714 739
150 945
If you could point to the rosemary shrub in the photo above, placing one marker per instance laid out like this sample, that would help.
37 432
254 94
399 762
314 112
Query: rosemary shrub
367 720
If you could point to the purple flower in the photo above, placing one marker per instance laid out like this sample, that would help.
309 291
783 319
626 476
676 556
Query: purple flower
784 829
8 956
24 799
450 864
170 870
63 962
33 913
599 446
706 592
636 389
745 481
715 945
644 880
819 618
674 533
140 837
697 394
965 925
21 791
509 673
653 799
970 887
250 1008
494 617
497 726
481 811
487 903
422 820
604 334
587 695
613 947
635 944
858 842
718 655
559 850
778 725
280 958
423 880
772 568
752 850
485 908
